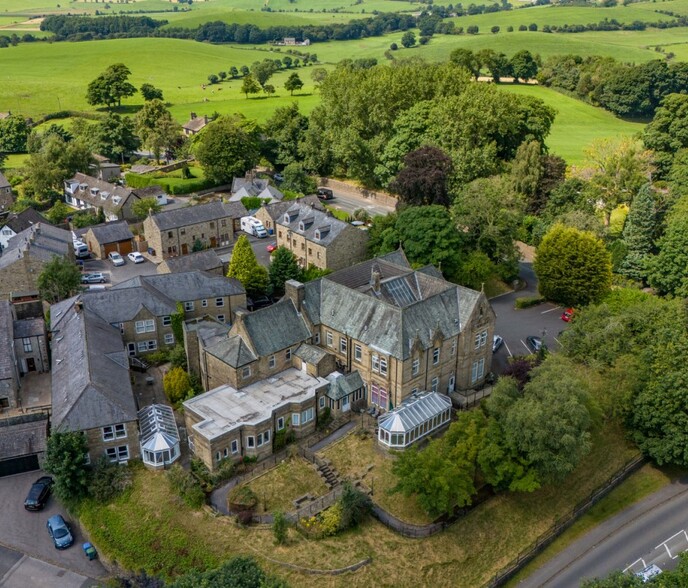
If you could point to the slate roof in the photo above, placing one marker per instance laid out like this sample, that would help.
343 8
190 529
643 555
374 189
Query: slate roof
311 353
253 186
277 209
275 327
23 435
149 191
40 241
343 385
196 123
208 330
201 260
233 351
90 374
407 305
414 411
200 213
117 305
112 190
4 183
271 192
182 286
26 218
31 327
112 232
7 359
315 222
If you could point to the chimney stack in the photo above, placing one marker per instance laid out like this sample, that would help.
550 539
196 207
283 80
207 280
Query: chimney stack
376 281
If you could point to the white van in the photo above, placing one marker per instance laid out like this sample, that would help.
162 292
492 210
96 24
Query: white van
252 226
81 250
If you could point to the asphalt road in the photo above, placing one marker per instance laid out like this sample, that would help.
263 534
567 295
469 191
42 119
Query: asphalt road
350 203
515 325
653 531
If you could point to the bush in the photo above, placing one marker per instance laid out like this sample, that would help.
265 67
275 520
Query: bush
176 384
355 505
280 526
177 356
242 498
282 439
158 357
325 418
109 480
528 301
210 480
186 486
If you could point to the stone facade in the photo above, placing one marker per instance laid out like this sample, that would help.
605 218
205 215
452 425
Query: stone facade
114 438
85 192
30 345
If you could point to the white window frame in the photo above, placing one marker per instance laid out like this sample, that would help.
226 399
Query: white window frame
358 352
246 372
321 402
343 346
435 356
26 341
145 326
435 384
375 362
169 338
204 303
383 366
250 441
287 353
296 419
234 447
116 454
415 367
307 415
166 321
329 339
221 318
259 440
112 432
271 362
219 302
189 305
477 370
280 423
266 436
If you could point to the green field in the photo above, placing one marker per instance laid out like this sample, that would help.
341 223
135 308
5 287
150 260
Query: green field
577 124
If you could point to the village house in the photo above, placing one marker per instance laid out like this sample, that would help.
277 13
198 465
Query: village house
206 261
6 196
26 255
104 169
318 239
183 230
248 187
91 386
141 309
108 237
195 124
18 222
86 192
268 214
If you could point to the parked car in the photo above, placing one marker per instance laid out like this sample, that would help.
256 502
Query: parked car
271 247
116 258
278 177
567 315
60 532
534 343
136 257
39 493
496 343
325 194
649 572
94 278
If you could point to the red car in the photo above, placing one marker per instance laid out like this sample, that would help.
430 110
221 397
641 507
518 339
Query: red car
271 247
567 315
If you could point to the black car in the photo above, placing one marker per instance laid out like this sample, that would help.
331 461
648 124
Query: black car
325 194
39 493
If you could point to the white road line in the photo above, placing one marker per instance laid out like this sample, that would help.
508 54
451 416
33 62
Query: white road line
557 340
508 350
664 543
551 310
524 345
641 560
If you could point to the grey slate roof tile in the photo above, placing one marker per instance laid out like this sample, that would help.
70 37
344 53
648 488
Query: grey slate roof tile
40 241
275 327
191 215
112 232
233 351
201 260
7 359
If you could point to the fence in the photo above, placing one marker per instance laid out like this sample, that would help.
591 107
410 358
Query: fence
563 523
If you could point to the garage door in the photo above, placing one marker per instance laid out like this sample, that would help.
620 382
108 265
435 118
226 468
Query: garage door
18 465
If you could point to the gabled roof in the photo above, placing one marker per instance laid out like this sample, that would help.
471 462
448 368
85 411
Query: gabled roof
23 435
200 213
7 359
316 226
311 353
183 286
343 385
275 327
271 192
196 123
208 330
29 327
109 196
253 186
202 260
26 218
233 351
90 375
40 241
111 232
4 183
277 209
116 305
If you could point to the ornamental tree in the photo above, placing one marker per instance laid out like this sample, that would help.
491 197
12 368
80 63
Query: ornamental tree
59 279
245 267
65 459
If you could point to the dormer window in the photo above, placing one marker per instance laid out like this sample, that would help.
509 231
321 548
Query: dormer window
94 191
104 195
321 232
117 199
83 187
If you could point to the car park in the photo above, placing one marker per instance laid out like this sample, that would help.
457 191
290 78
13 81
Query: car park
116 258
39 493
60 532
136 257
497 342
93 278
567 315
534 343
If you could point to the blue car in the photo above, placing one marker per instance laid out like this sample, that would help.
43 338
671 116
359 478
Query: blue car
60 532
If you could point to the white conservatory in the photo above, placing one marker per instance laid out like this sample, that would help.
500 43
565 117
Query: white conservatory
159 436
418 416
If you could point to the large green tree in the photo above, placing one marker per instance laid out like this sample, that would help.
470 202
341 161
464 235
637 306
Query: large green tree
424 179
59 279
286 129
523 65
638 235
250 85
573 267
111 86
228 147
14 131
145 206
667 133
283 267
156 127
114 137
668 271
65 458
467 59
293 83
245 267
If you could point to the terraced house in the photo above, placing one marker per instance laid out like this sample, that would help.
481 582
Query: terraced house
141 309
86 192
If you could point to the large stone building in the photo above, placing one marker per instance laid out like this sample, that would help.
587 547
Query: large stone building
176 232
269 214
91 386
27 254
206 261
318 239
86 192
142 308
18 222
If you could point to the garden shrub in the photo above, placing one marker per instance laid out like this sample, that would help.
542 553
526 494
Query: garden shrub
186 486
528 301
355 505
209 480
280 525
109 480
158 357
242 498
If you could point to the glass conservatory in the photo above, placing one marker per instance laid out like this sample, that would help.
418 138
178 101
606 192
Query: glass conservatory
413 419
159 436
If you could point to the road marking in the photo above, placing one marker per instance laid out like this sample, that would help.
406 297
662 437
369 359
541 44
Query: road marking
508 350
551 310
664 543
524 345
557 340
641 560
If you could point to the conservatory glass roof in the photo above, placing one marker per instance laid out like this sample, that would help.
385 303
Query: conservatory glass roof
416 410
158 427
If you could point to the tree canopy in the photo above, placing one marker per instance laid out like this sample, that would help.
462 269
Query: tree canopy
111 86
59 279
424 179
156 127
65 458
283 267
245 267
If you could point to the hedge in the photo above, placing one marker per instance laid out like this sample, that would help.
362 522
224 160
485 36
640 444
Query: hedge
170 185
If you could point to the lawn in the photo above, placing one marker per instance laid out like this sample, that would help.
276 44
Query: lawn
279 487
14 160
577 124
152 529
352 457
